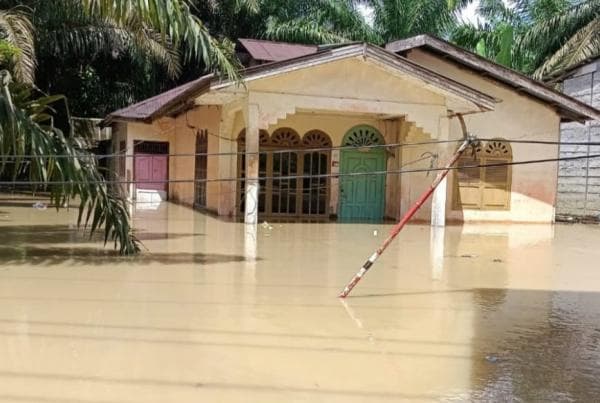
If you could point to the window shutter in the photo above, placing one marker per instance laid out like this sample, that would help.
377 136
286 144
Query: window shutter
496 185
485 188
469 179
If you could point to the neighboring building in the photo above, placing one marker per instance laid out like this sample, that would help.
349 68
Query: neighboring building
579 180
303 109
253 52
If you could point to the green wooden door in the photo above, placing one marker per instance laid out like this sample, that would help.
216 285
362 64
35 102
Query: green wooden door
362 197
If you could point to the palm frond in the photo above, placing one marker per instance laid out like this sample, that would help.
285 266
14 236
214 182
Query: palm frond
172 19
584 45
32 148
71 32
16 29
303 30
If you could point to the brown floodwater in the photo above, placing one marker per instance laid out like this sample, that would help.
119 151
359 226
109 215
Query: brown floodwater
215 313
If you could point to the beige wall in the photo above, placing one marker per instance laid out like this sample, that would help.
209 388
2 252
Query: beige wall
516 117
336 126
182 140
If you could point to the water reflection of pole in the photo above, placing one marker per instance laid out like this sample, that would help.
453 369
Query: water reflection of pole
350 313
356 319
250 245
436 252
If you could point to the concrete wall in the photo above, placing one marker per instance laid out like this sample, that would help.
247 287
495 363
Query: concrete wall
336 126
180 133
516 117
579 180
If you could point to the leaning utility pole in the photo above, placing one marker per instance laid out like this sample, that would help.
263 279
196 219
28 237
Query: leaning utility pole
468 140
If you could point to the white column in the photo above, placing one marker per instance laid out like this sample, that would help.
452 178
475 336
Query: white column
252 161
437 251
438 202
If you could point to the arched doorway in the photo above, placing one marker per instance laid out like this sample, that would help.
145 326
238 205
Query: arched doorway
362 197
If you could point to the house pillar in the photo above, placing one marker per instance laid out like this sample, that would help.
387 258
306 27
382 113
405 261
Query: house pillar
438 203
252 165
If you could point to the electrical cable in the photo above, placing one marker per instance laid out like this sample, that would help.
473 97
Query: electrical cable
314 176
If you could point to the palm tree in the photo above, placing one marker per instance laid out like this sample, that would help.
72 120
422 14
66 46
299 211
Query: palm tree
325 21
17 31
539 37
32 149
563 34
318 21
495 37
154 28
31 146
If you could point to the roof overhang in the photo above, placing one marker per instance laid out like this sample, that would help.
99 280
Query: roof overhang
377 55
567 107
183 97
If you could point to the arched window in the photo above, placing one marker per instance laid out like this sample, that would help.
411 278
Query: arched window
285 165
285 137
281 192
315 168
484 188
362 136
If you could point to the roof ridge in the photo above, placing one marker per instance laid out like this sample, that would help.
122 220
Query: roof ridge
279 42
536 89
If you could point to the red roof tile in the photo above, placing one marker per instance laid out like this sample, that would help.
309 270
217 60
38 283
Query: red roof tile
270 51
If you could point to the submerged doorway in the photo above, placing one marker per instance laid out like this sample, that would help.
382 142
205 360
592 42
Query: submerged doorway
362 197
151 170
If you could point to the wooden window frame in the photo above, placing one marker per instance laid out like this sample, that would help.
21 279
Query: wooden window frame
201 170
300 151
484 157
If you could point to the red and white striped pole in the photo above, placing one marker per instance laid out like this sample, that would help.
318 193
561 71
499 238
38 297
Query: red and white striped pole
409 214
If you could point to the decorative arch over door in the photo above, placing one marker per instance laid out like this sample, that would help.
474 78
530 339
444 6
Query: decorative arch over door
362 197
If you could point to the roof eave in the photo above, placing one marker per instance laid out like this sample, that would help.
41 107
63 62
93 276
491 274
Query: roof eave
568 107
484 101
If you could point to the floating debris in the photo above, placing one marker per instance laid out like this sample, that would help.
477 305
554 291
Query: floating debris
40 206
266 225
497 260
492 359
468 256
375 232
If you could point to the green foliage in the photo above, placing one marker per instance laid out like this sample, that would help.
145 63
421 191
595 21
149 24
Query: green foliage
32 148
16 29
539 37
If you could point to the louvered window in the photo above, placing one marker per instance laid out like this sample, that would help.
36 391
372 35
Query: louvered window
484 188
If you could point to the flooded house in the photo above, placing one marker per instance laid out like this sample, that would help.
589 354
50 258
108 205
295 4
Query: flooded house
347 132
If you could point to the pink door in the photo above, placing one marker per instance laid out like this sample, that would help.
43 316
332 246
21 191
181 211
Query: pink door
151 171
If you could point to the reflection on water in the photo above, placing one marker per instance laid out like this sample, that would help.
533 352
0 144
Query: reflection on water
536 346
216 311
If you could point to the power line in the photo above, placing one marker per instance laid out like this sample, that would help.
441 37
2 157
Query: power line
313 176
235 153
304 150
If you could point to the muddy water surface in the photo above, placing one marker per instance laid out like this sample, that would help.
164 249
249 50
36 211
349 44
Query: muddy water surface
217 314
